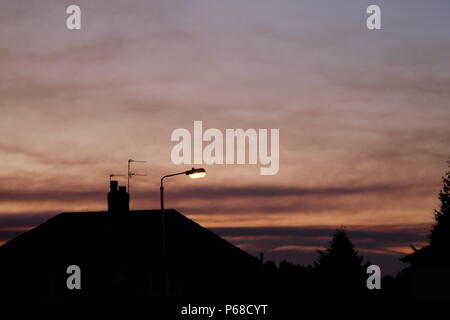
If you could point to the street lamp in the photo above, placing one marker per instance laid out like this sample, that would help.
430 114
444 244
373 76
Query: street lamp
193 174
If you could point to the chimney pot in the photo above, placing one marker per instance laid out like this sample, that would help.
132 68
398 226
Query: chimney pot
113 185
118 199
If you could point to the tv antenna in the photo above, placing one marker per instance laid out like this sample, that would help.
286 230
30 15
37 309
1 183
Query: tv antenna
116 175
130 173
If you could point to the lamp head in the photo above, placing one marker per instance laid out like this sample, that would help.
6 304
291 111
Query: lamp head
196 173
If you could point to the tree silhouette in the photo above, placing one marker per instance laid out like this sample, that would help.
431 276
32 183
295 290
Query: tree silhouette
340 267
430 265
440 233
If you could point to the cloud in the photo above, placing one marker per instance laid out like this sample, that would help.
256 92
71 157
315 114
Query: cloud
383 245
44 158
274 191
365 237
23 221
210 193
362 116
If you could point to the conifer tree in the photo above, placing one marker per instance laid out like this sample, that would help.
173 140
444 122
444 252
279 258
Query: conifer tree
340 267
440 233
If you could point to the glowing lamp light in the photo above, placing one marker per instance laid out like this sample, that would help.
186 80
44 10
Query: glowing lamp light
196 173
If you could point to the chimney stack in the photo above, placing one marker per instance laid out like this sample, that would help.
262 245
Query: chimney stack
118 199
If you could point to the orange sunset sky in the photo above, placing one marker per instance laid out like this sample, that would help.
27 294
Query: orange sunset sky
363 115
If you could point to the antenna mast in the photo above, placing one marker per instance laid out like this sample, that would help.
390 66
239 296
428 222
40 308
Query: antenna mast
130 173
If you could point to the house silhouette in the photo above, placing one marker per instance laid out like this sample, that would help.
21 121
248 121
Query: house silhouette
430 272
120 254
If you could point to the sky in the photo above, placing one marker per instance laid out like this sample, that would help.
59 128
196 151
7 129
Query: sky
363 115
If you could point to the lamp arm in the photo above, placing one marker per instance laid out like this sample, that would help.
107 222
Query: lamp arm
171 175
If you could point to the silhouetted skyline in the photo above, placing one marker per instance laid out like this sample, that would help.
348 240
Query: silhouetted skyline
363 116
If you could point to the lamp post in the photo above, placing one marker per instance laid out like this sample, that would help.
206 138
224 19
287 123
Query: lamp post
193 174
